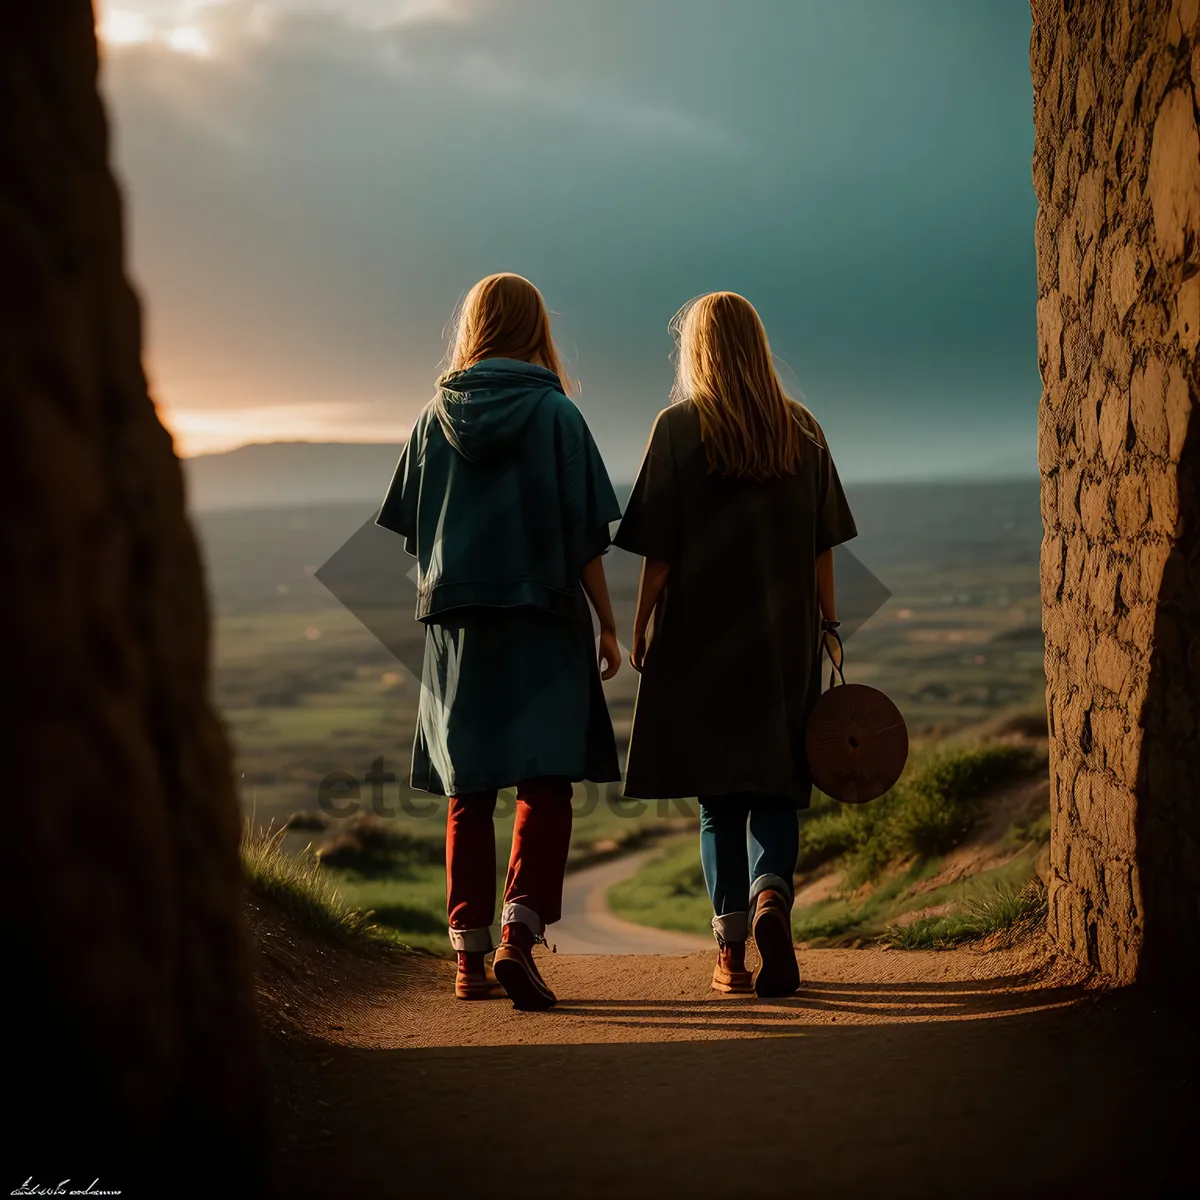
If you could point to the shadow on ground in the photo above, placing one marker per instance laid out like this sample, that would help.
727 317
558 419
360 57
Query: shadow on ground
1096 1099
890 1074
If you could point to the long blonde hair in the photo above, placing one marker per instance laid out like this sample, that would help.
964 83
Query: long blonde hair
504 316
750 426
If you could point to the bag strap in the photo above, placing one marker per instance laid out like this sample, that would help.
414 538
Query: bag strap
836 672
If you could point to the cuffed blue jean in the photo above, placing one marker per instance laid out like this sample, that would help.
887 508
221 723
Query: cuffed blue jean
748 843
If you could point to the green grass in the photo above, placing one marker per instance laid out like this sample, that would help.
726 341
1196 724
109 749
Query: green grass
1035 830
1005 910
373 846
885 850
299 885
395 868
845 918
401 876
668 892
411 904
868 913
929 812
378 867
874 913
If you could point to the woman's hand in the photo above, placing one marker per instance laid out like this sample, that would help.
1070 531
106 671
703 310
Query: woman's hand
637 656
651 585
608 657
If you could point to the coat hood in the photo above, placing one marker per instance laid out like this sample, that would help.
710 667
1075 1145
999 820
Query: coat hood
483 409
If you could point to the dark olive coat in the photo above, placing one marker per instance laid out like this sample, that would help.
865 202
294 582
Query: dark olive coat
733 668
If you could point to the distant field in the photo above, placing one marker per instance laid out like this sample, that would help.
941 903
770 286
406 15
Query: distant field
308 691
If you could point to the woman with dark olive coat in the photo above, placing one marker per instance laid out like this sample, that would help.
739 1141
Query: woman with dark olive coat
736 512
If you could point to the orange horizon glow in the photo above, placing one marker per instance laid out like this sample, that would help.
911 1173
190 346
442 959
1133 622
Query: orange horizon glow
217 431
183 399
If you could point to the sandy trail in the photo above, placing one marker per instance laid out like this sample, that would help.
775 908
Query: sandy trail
588 927
349 999
890 1074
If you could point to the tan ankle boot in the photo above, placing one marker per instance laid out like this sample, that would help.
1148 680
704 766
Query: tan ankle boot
730 974
474 981
779 974
518 974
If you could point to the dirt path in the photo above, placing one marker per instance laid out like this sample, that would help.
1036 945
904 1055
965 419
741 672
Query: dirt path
353 1000
890 1073
588 927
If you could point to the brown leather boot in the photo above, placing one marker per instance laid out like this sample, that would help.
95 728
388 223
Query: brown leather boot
730 974
516 972
473 980
779 974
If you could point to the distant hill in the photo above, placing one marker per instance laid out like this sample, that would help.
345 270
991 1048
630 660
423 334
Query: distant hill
297 474
283 474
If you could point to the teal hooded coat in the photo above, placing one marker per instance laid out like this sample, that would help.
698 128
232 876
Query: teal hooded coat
503 498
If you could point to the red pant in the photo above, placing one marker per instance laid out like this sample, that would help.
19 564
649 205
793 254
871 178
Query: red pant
541 839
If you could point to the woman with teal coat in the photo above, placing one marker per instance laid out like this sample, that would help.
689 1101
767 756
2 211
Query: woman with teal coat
502 496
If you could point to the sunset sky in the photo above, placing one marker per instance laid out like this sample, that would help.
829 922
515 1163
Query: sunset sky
312 184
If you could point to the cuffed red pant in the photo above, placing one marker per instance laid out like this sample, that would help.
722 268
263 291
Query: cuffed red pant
534 886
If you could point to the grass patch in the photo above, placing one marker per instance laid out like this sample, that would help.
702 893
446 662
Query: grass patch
826 834
668 892
1029 723
412 902
826 921
892 844
843 918
378 866
371 845
1005 912
929 812
299 885
870 914
1035 830
588 850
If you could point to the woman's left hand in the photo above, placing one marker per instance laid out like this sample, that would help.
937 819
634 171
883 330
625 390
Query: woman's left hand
637 656
608 657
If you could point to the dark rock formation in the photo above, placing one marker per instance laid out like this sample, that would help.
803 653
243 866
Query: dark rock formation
132 1031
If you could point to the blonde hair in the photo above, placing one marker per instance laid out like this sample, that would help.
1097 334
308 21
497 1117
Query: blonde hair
750 426
504 316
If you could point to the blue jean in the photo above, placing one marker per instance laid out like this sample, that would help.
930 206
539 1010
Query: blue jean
748 843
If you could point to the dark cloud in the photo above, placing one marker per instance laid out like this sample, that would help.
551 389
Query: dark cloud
309 204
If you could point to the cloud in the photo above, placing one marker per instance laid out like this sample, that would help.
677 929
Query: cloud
308 202
570 96
427 42
255 15
234 29
384 14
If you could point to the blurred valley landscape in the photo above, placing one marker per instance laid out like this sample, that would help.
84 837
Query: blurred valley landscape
312 698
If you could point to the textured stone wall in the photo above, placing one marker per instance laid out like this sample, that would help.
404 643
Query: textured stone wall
1117 175
131 1041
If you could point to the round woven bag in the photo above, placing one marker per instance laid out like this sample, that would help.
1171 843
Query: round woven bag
856 740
